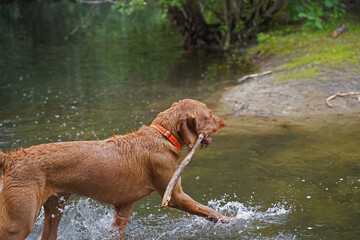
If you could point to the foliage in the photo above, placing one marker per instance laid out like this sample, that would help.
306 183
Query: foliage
128 7
174 3
235 22
221 22
316 11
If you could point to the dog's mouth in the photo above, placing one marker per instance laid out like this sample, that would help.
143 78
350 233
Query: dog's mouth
206 141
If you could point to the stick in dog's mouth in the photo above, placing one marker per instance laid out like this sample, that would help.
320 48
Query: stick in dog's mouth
179 170
205 142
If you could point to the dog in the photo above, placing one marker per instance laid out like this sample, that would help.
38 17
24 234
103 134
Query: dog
119 170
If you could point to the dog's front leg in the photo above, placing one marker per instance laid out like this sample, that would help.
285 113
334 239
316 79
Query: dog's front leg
122 215
162 172
53 210
182 201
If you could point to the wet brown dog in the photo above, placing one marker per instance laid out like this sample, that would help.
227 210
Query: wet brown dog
118 171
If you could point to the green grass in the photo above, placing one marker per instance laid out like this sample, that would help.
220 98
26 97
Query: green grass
308 51
298 74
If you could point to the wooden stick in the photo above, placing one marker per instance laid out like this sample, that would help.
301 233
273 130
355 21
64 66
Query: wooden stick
243 79
178 172
341 95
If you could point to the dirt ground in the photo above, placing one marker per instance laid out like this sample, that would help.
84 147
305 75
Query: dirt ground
265 97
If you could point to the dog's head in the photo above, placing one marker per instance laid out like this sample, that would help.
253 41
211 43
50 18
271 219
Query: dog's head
195 118
188 119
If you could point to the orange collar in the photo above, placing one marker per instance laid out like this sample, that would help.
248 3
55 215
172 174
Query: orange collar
166 133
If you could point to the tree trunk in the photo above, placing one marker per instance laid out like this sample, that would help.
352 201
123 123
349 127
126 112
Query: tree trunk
260 13
228 23
198 34
191 24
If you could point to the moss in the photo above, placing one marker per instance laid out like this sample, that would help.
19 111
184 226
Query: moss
298 74
309 51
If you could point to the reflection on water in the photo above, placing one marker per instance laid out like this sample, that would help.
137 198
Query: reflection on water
280 178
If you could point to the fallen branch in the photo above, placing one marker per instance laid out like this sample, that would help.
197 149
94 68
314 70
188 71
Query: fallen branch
339 31
243 79
341 95
82 22
178 172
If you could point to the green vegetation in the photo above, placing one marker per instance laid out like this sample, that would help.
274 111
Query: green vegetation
300 40
306 53
297 74
314 12
214 24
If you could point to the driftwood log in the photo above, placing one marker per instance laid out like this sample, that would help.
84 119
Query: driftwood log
338 31
178 172
243 79
341 95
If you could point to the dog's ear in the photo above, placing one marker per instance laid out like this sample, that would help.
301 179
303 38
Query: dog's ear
187 128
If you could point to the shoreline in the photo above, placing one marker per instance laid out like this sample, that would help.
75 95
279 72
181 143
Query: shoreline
264 97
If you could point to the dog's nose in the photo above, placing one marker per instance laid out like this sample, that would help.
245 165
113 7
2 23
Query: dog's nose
221 122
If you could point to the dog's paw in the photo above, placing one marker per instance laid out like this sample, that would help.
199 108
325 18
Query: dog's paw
225 219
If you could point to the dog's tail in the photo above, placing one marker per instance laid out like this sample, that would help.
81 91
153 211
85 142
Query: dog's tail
3 158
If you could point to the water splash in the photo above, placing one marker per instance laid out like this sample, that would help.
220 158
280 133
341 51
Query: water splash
87 219
82 219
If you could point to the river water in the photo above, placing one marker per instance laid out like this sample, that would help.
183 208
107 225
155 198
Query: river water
279 178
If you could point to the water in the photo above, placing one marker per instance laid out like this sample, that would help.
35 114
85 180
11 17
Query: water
279 178
114 75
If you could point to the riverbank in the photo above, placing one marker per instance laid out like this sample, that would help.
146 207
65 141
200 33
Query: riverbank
308 67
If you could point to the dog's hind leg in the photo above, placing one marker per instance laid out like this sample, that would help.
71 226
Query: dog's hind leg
122 215
53 210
